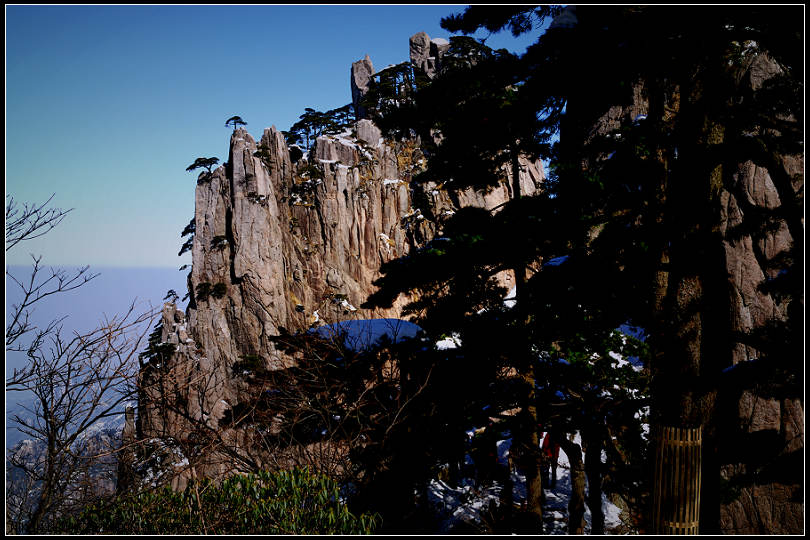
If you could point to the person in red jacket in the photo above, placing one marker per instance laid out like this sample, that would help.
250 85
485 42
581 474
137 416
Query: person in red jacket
551 453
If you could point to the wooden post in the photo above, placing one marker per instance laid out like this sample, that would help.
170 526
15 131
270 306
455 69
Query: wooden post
676 492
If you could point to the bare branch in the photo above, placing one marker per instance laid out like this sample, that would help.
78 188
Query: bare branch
77 380
35 289
31 221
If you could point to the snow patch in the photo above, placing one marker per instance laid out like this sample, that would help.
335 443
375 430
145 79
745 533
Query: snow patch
511 298
347 142
451 342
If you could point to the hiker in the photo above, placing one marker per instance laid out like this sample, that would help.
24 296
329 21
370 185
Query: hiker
550 455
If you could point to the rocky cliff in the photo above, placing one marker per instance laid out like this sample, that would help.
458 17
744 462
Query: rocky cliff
286 245
761 424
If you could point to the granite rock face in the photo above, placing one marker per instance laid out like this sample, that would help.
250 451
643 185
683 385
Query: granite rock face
288 243
361 74
282 245
291 245
770 479
426 54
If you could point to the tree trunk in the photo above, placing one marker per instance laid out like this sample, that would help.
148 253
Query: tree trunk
45 496
593 470
531 439
576 505
44 501
534 480
49 479
691 317
507 498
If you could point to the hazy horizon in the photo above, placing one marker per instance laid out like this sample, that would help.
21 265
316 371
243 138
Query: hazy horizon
109 294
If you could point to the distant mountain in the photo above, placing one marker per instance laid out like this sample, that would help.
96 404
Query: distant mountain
99 475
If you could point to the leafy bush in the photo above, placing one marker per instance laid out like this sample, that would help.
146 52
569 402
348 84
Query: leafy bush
286 502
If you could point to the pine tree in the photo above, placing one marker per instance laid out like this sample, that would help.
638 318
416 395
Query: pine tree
200 162
235 121
483 127
634 203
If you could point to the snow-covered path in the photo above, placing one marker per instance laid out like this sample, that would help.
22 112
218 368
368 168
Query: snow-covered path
467 502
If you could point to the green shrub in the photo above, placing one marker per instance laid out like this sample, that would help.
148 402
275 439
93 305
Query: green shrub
286 502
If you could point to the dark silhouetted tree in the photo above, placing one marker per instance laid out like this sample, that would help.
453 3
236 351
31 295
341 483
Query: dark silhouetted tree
235 121
206 163
635 203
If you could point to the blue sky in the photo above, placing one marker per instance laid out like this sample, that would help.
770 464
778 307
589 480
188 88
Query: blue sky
107 105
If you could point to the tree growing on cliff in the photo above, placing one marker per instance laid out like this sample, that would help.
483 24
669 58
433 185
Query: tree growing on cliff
312 124
235 121
189 231
390 89
201 162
